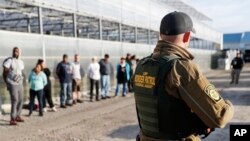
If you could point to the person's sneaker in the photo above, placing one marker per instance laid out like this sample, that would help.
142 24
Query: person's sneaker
124 95
74 101
13 122
19 119
69 104
29 114
45 110
53 109
41 114
63 106
103 97
108 97
79 101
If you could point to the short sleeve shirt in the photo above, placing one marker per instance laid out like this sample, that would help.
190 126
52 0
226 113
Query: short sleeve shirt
15 65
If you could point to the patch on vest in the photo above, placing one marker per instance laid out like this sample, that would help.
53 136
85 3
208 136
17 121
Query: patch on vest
145 80
212 92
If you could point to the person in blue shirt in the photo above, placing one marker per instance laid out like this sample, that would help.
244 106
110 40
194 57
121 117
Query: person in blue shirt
37 81
64 72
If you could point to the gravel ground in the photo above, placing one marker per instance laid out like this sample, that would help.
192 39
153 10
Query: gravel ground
115 119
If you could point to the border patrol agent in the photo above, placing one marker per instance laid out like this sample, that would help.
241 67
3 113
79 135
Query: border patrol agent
174 100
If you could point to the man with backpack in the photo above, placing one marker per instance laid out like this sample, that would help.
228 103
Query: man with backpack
12 75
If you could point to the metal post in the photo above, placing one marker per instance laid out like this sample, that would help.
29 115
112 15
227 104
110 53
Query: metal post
100 28
135 34
74 25
62 31
120 32
28 25
40 18
149 36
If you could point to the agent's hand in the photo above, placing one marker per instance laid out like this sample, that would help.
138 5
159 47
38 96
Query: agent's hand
209 130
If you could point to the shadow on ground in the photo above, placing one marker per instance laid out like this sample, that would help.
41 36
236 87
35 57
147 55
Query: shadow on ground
125 132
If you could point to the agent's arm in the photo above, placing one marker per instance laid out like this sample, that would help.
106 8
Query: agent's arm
201 96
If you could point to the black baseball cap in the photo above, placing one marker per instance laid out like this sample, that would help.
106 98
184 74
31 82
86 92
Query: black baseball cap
176 23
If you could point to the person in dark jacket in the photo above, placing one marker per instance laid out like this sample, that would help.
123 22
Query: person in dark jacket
129 62
47 95
64 73
106 69
236 66
123 75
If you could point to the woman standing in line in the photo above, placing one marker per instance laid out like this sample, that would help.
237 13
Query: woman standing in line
37 81
123 75
47 95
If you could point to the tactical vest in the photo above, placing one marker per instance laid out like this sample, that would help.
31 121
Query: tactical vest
160 115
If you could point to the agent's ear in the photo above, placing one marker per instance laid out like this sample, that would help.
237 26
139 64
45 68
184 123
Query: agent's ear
186 37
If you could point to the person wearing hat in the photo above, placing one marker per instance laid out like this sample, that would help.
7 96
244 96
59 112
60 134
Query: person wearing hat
174 100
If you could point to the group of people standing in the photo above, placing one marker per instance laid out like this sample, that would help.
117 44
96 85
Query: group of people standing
40 84
125 70
69 75
99 73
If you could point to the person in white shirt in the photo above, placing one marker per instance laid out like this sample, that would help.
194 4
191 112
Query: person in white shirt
76 81
13 77
94 76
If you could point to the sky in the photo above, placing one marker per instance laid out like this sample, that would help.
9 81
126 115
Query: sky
229 16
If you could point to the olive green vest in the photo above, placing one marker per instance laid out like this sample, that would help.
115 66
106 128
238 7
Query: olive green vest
160 115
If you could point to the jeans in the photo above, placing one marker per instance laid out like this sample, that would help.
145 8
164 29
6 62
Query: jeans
16 97
39 94
105 82
66 93
124 89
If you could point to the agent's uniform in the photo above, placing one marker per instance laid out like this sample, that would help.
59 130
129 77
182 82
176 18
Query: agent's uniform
186 104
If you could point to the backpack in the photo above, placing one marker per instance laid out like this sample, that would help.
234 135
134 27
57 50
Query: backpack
4 74
5 60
